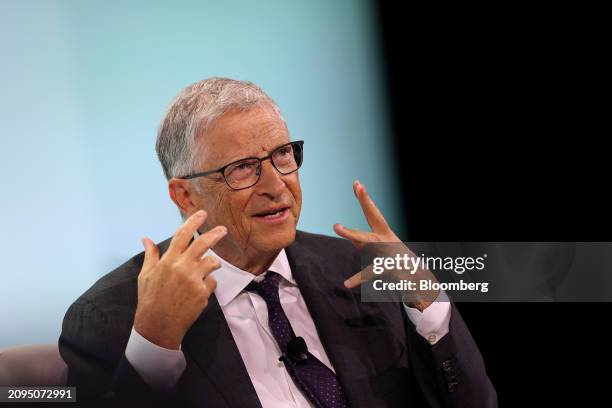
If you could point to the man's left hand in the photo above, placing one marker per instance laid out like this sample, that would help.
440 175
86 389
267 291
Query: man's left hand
381 233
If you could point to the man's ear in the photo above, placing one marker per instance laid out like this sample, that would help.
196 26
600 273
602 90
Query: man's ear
182 193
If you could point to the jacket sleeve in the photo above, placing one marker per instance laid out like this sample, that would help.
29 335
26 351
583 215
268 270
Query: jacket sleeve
93 347
452 371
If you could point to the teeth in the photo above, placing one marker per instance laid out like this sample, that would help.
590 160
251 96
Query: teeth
276 214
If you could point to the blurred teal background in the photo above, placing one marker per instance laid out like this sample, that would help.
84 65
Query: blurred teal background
84 85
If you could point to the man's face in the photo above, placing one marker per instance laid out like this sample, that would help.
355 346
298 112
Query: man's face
237 135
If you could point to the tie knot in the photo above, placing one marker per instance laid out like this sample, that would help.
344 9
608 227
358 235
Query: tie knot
267 288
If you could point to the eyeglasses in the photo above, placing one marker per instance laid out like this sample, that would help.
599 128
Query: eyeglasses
245 173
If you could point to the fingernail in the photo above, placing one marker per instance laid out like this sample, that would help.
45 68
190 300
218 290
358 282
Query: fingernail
346 283
222 230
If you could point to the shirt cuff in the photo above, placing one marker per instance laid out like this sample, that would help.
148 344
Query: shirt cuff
159 367
433 322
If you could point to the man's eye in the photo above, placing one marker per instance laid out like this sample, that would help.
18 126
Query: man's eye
242 170
283 154
244 166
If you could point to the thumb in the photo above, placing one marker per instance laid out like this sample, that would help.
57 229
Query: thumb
353 281
151 254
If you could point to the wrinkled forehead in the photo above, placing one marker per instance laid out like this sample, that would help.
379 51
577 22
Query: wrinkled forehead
242 133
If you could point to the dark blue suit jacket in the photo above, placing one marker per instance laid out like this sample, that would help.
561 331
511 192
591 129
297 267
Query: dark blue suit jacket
380 359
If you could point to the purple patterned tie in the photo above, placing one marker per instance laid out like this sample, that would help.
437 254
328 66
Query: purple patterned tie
316 380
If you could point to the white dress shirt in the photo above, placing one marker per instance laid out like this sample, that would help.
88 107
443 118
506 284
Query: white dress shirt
247 316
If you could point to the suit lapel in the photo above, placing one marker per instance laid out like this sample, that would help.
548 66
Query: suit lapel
210 344
330 306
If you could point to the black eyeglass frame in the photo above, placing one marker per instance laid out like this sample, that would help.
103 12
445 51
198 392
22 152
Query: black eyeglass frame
221 170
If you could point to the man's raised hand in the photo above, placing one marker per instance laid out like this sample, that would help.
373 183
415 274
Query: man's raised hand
382 233
174 290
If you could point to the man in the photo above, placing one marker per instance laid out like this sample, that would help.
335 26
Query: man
203 318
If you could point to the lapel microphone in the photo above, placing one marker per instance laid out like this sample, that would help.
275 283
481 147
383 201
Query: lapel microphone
297 351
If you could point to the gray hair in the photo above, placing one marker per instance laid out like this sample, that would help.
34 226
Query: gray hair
193 111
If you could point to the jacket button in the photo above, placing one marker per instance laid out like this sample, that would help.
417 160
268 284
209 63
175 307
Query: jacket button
446 365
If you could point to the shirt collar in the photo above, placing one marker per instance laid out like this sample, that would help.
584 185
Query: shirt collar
232 280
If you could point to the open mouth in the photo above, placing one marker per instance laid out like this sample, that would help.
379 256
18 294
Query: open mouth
273 214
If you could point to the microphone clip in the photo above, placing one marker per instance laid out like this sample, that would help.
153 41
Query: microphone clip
297 352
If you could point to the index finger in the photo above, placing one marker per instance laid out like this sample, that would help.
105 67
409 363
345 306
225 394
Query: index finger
184 234
373 216
205 241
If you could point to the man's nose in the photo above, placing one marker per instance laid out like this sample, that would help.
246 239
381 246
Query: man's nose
270 181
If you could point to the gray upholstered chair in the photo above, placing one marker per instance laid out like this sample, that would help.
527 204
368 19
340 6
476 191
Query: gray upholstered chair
35 365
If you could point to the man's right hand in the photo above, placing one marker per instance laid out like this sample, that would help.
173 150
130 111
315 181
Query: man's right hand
173 290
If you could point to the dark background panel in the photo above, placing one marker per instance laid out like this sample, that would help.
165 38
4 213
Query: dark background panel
500 126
